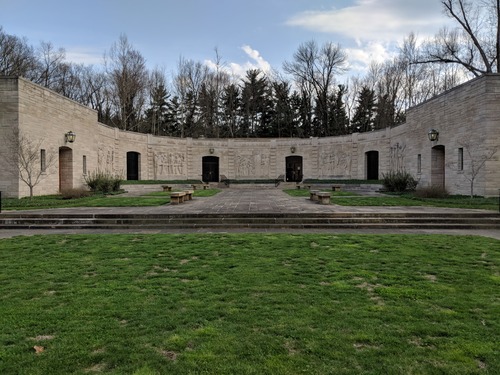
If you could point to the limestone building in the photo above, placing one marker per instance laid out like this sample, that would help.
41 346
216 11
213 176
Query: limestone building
466 117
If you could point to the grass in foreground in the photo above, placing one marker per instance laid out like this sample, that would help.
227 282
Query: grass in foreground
249 304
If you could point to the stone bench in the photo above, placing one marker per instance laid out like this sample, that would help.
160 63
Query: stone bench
336 187
313 195
201 186
323 197
177 197
188 195
166 188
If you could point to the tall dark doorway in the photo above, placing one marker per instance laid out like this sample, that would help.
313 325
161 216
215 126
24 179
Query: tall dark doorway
133 162
210 169
65 168
372 165
437 166
294 171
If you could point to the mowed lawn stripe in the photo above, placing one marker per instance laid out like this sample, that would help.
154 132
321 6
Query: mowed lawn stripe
249 304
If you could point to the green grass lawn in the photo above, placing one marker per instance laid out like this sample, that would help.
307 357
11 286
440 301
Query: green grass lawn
56 201
250 304
345 198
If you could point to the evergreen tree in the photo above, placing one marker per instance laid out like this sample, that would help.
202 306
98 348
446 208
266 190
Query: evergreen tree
173 118
385 112
208 108
155 115
303 114
231 109
254 94
339 121
282 119
364 115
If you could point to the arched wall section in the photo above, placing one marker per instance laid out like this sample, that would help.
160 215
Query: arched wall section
469 112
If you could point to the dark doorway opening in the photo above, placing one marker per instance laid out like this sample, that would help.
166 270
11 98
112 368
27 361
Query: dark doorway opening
133 162
65 168
372 165
294 171
437 166
210 169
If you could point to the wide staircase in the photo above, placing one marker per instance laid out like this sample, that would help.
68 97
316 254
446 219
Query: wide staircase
270 221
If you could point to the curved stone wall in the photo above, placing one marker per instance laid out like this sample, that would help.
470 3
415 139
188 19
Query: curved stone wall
469 112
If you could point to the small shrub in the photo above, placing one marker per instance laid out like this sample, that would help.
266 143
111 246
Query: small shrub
399 181
75 193
103 182
431 192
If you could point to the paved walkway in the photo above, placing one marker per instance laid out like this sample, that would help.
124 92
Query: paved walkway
240 200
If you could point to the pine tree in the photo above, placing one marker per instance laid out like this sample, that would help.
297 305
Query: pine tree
339 121
364 115
231 109
156 113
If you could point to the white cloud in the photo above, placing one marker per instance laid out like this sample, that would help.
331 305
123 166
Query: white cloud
240 69
361 56
84 56
381 20
371 30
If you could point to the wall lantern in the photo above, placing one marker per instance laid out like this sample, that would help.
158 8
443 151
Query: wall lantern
211 150
433 135
292 149
70 137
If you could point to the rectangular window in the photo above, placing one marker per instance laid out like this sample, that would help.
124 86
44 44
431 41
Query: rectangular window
84 164
419 163
43 161
460 161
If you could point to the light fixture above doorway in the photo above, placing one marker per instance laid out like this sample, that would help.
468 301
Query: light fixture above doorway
292 149
433 135
211 150
70 137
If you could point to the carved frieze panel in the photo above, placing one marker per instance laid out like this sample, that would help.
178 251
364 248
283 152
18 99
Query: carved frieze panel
169 164
335 163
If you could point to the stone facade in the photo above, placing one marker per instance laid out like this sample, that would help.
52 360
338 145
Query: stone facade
467 117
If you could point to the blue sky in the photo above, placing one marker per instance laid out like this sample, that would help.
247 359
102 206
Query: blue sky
247 33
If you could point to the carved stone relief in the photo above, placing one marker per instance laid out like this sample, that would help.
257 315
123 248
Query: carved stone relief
252 165
397 157
105 158
169 164
335 163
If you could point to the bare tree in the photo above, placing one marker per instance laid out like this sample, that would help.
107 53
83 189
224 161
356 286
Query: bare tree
475 43
50 65
128 77
31 162
188 83
17 58
476 157
315 67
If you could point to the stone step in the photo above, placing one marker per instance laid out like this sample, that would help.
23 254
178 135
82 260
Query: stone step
261 220
249 220
226 226
404 214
